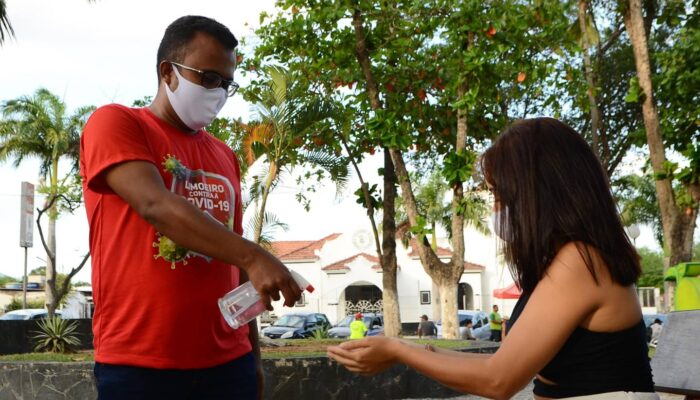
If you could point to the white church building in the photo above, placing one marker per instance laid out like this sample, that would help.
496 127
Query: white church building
345 272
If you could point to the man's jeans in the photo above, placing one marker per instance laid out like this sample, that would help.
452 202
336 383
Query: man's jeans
233 380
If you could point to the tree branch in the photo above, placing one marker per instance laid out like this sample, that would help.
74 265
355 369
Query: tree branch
368 200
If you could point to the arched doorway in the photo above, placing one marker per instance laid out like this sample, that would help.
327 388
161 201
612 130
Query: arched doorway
361 297
465 297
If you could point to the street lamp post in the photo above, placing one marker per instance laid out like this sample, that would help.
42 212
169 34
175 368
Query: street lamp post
633 232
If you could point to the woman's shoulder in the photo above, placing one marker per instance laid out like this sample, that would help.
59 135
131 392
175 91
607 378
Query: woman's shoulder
580 261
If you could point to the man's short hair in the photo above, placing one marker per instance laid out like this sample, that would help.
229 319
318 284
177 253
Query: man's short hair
178 34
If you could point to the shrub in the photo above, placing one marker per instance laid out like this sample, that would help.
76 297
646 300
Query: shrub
16 303
56 335
321 333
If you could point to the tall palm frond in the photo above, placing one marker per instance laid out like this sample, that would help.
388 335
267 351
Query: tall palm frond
5 26
337 167
37 126
270 226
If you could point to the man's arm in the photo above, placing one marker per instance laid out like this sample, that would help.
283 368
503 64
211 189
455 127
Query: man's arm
141 186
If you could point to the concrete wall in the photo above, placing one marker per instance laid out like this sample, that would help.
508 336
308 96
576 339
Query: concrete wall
292 378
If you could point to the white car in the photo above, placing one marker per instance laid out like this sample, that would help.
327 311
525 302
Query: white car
27 314
480 324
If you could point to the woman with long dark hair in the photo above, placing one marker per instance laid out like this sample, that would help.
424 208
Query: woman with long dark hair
577 328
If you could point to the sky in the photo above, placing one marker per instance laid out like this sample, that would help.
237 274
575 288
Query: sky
104 52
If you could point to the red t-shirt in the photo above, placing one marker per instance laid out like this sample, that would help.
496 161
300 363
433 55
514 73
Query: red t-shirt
152 311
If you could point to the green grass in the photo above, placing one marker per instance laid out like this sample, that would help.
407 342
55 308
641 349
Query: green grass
293 348
46 357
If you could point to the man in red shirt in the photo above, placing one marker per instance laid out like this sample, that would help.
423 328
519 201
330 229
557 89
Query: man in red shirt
163 201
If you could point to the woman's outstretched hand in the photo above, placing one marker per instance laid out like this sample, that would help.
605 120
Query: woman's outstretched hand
366 356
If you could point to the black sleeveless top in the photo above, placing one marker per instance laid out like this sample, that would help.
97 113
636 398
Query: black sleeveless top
595 362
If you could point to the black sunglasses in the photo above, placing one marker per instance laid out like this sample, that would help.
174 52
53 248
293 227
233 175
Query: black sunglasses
212 80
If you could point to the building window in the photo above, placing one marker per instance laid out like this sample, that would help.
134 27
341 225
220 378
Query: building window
301 302
647 296
425 297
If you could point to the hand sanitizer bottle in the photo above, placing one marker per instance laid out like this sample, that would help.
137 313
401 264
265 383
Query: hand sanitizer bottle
242 304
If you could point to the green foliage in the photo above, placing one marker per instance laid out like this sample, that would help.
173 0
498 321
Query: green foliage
56 335
16 303
142 102
636 197
458 167
652 263
7 279
374 197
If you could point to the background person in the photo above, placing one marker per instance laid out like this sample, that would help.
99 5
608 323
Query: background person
656 328
562 236
163 202
426 328
495 324
468 335
358 329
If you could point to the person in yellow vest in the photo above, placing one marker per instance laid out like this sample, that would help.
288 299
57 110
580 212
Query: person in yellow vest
495 322
357 327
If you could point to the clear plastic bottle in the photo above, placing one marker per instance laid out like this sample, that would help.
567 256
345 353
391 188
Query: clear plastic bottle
242 304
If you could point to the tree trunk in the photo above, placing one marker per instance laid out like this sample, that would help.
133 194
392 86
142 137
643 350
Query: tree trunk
390 296
436 304
50 288
591 89
448 296
263 203
677 224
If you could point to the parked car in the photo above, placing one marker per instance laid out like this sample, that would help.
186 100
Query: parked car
480 324
297 325
13 285
373 322
27 314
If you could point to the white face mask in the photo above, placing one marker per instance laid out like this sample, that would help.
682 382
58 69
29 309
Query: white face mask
497 219
196 105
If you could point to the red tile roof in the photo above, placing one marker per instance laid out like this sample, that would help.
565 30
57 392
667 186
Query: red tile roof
468 266
441 251
343 264
298 250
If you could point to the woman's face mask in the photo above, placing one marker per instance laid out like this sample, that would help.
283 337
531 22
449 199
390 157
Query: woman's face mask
196 105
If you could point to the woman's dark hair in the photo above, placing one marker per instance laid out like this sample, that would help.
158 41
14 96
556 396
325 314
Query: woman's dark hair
181 31
552 190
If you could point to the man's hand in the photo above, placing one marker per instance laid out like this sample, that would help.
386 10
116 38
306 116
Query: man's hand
269 276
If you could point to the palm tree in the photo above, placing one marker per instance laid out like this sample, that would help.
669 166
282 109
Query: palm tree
281 120
37 126
5 26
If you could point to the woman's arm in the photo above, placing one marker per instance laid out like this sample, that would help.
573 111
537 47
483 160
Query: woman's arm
564 298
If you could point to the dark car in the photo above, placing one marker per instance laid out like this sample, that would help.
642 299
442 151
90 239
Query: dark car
480 324
297 325
373 322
